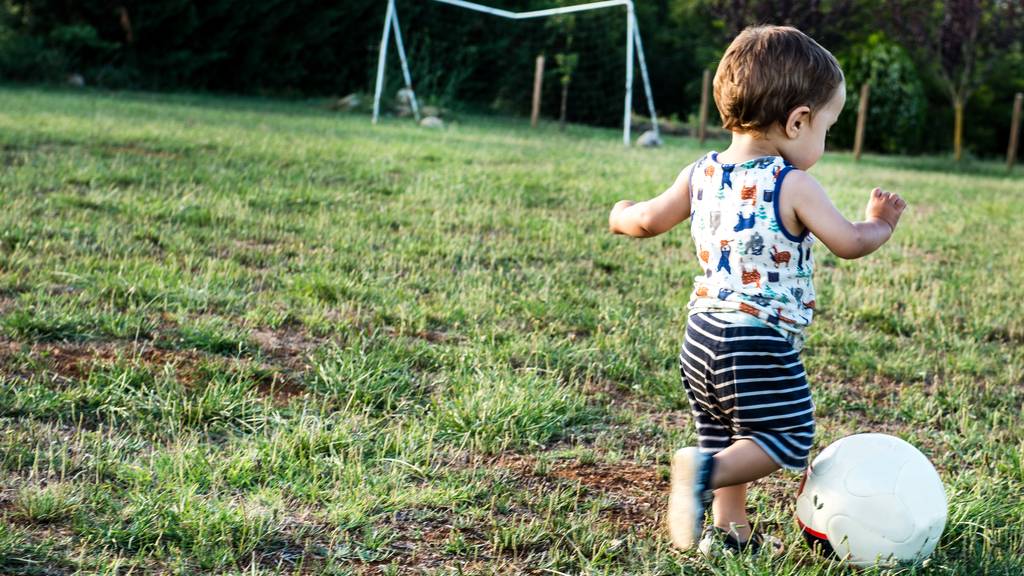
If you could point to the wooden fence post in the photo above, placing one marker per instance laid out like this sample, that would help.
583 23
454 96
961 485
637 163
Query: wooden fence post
705 85
862 115
1011 150
538 80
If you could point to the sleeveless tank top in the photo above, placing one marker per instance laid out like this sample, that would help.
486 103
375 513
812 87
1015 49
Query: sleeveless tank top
750 262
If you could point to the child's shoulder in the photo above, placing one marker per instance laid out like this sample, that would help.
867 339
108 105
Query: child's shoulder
798 183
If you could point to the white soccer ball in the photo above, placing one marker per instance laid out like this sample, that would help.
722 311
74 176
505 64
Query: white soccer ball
872 499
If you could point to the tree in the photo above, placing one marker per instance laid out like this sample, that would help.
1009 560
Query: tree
958 41
829 22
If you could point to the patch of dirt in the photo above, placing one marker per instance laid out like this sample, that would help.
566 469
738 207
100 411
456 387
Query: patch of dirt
68 362
291 348
637 493
6 304
281 387
422 537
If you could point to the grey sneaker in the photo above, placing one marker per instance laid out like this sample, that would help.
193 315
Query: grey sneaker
717 542
690 495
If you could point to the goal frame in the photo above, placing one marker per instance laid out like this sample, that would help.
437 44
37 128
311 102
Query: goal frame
633 42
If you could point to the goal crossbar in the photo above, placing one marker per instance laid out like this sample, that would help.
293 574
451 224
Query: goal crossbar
534 13
632 41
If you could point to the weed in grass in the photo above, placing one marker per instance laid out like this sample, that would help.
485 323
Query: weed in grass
43 504
379 374
492 412
213 335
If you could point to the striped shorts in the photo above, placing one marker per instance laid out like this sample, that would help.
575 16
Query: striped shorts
747 381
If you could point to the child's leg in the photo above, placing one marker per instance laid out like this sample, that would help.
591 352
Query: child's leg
734 467
729 510
742 462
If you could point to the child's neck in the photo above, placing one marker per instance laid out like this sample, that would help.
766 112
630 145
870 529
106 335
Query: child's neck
747 147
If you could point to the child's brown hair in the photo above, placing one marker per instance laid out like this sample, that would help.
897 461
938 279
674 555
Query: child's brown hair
768 71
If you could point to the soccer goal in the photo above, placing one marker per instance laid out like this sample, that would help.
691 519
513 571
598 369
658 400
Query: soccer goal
613 13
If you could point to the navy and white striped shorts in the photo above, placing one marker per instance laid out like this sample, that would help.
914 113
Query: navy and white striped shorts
747 381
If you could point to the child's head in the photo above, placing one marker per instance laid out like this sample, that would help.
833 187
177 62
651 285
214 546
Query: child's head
775 82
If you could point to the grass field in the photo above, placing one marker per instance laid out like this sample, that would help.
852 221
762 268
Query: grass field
247 336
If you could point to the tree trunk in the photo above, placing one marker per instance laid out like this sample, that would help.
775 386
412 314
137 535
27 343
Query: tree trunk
958 129
565 100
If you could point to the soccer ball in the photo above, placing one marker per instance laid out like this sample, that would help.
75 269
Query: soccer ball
872 499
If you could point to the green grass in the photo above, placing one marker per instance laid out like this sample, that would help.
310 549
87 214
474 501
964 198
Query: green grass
250 336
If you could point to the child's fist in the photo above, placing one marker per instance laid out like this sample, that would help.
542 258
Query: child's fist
619 206
885 206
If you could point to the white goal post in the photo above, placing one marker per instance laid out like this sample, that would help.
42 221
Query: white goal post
632 41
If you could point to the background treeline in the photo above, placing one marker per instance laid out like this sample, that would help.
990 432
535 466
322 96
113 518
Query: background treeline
914 53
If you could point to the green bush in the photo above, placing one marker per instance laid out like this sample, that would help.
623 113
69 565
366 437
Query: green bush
25 57
896 103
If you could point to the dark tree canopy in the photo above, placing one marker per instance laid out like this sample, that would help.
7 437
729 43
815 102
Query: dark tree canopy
963 49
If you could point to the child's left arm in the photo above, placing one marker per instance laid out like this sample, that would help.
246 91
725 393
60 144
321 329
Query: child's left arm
654 216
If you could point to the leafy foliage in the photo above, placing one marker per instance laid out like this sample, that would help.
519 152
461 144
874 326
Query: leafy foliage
896 103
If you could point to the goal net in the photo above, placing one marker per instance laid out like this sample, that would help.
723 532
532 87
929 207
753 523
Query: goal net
460 53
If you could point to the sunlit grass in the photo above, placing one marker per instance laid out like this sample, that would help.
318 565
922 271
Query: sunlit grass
253 336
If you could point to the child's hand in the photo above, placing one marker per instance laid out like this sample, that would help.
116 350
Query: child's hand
619 206
885 206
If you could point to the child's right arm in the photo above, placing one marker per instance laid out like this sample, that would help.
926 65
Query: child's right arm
654 216
844 238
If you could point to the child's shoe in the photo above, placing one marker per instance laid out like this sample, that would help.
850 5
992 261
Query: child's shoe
717 542
690 495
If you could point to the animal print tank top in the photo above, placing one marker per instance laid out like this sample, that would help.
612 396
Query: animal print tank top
751 262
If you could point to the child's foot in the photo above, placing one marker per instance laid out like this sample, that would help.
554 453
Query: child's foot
717 542
690 495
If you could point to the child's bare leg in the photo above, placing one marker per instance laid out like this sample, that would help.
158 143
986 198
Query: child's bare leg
742 462
729 510
735 466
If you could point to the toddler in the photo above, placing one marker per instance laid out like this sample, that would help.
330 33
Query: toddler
755 215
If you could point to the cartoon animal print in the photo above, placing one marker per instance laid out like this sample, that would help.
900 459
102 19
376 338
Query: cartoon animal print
724 293
808 305
744 223
752 277
709 171
761 300
744 307
749 193
756 245
780 258
702 291
705 255
798 293
769 193
716 221
773 276
800 260
700 193
723 262
727 176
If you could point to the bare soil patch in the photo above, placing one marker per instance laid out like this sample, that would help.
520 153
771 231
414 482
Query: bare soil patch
67 362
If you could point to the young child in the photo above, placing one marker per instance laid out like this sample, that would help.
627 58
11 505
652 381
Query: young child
755 214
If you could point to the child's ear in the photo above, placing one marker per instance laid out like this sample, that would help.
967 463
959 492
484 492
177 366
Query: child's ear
797 121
